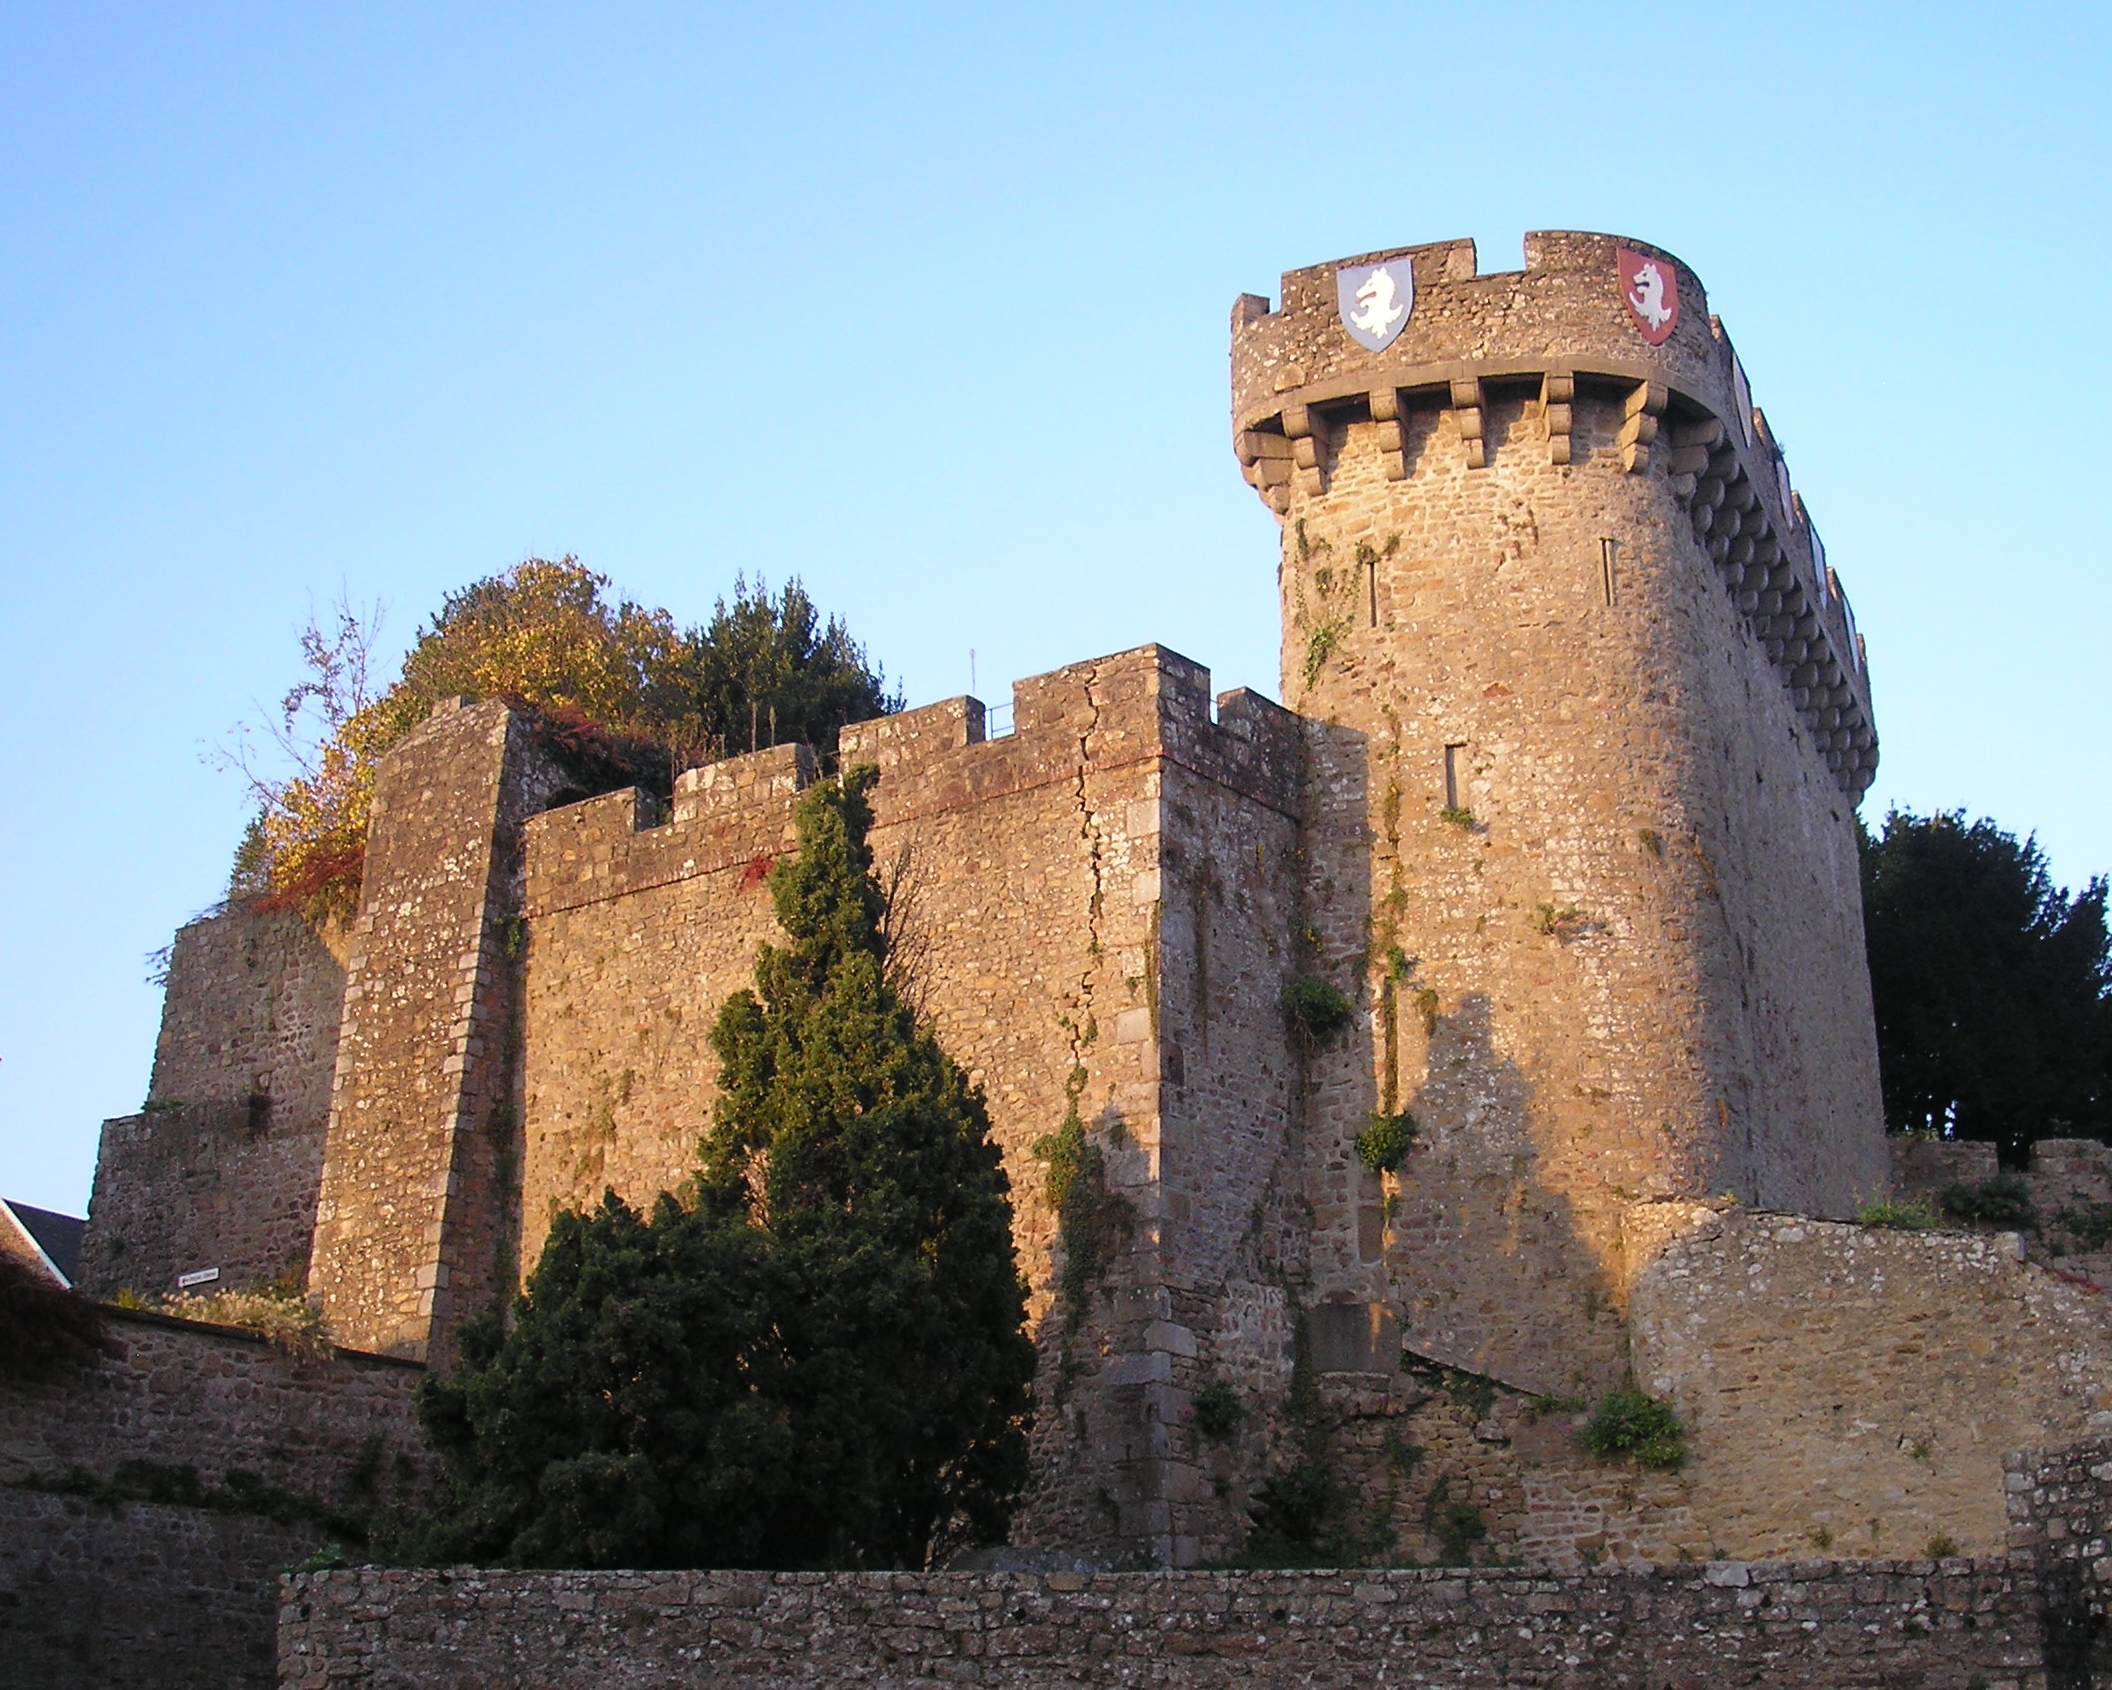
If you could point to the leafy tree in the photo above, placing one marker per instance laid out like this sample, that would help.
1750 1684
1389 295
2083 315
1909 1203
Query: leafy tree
819 1358
616 690
1993 987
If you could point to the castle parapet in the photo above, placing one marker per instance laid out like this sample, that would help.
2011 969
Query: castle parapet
1559 334
1144 703
723 815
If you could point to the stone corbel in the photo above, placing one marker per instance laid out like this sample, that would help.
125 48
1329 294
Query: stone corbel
1305 448
1645 405
1265 460
1466 419
1386 415
1557 399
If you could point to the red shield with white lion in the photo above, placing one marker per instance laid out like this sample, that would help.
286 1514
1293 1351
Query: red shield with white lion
1651 292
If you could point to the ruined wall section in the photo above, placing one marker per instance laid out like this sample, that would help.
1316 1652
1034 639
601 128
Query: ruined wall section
222 1167
1855 1389
416 1224
1579 839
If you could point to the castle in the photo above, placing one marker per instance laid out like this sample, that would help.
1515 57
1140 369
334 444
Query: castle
1560 801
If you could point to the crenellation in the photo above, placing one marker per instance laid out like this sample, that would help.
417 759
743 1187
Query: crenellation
911 735
724 815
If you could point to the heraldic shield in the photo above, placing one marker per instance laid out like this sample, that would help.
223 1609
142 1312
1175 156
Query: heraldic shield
1375 300
1651 293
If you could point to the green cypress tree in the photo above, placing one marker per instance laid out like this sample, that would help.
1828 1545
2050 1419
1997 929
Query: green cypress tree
821 1358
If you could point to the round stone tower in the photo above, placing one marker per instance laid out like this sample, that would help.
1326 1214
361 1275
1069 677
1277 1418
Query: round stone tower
1588 722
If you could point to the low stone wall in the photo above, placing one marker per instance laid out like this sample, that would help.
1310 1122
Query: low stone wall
1825 1624
101 1596
2059 1503
339 1426
150 1499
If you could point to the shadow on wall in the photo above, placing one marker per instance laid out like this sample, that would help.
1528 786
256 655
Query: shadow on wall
1491 1266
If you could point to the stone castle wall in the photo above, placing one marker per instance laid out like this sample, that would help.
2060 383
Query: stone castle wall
222 1168
1581 845
1036 931
1565 809
417 1220
103 1587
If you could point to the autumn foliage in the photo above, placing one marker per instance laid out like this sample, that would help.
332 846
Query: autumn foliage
617 692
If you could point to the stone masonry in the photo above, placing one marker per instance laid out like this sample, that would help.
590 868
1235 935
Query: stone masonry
150 1498
220 1170
1562 805
1958 1625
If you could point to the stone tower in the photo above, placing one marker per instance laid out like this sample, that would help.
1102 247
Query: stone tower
1587 720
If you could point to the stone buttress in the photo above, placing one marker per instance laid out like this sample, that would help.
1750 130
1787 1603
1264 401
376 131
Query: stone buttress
415 1223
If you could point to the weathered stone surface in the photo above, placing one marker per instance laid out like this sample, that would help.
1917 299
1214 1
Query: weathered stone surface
177 1392
417 1222
221 1169
134 1595
139 1596
1856 1388
1785 1626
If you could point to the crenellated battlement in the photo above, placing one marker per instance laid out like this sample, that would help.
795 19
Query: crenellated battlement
1145 703
1126 708
1560 336
723 814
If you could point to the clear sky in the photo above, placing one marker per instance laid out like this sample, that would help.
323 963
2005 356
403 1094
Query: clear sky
928 305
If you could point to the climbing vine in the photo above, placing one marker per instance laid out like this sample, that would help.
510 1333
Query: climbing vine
1091 1221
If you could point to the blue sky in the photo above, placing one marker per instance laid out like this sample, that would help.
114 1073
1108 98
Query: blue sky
929 307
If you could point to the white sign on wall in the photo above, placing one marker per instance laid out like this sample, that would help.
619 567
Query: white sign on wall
204 1276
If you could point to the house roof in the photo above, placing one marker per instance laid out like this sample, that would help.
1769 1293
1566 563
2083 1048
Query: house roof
54 1239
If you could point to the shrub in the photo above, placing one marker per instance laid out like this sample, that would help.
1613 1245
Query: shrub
1218 1410
1384 1145
1091 1220
1630 1424
1557 921
2090 1226
2004 1200
1459 1526
1316 1010
278 1314
1291 1510
1898 1215
1456 815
